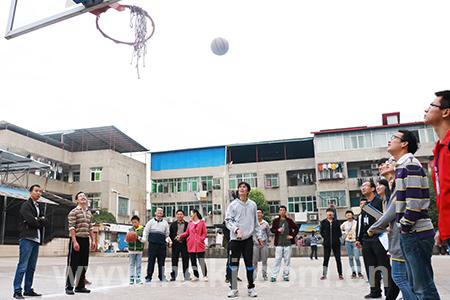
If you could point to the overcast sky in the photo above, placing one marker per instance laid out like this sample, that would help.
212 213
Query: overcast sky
293 67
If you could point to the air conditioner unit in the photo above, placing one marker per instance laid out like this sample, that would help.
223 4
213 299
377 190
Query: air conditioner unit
313 217
374 166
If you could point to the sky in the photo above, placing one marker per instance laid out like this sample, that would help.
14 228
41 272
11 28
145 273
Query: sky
293 67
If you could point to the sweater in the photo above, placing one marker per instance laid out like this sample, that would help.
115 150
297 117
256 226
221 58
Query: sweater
196 235
156 232
413 197
242 215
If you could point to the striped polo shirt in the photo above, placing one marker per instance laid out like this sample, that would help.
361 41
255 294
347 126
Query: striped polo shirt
413 197
80 220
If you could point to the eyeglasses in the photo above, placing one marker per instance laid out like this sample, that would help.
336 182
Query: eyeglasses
396 137
435 105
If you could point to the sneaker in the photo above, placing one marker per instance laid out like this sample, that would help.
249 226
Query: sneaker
286 278
82 291
252 293
69 292
273 279
323 277
341 277
233 293
354 275
372 296
148 280
227 280
32 294
265 277
131 281
18 296
360 276
194 279
205 278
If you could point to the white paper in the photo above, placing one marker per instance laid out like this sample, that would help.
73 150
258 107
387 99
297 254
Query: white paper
384 240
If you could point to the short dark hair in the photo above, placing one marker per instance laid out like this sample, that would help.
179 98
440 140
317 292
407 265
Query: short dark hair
180 210
283 206
445 98
246 184
411 139
76 196
260 210
372 184
33 186
199 215
349 212
330 209
135 218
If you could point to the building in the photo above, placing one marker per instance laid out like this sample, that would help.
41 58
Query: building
305 175
346 157
89 160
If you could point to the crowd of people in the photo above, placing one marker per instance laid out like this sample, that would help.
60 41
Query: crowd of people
394 231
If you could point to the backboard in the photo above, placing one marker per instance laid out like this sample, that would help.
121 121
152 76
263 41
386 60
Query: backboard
29 15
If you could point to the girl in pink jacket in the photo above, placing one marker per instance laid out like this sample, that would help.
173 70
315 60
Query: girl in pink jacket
196 234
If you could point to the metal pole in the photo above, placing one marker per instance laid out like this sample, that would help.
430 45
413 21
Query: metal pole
5 199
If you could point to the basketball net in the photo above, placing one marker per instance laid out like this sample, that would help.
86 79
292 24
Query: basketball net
138 21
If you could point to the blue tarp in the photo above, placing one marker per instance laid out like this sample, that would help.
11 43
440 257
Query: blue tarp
309 227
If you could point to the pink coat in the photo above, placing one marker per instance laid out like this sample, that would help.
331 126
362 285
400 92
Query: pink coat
196 234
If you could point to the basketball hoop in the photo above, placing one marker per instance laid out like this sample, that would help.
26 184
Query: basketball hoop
138 21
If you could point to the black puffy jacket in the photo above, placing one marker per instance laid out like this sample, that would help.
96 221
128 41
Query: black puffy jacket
330 232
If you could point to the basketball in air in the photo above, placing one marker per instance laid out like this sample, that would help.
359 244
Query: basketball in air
131 237
219 46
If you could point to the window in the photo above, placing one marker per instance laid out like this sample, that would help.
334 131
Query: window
333 197
128 179
355 198
207 208
217 207
76 176
94 200
302 204
331 171
216 184
168 208
123 206
250 178
206 183
301 177
271 181
96 174
188 206
274 207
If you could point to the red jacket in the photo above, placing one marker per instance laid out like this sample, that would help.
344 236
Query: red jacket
293 229
442 185
195 234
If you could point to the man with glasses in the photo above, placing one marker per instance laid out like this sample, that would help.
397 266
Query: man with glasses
438 116
413 200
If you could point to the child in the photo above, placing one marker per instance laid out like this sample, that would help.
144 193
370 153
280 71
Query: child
135 250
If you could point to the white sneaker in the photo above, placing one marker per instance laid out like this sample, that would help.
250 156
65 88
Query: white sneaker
194 279
205 278
252 293
233 293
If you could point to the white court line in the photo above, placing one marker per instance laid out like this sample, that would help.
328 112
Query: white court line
92 290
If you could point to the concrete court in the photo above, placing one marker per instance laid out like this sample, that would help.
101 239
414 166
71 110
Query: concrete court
110 281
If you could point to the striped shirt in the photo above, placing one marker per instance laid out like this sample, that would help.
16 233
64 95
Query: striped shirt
413 197
80 221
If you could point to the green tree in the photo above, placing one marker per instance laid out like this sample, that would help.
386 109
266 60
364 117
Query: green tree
258 196
103 216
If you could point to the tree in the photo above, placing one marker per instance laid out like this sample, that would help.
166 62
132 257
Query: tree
103 216
261 202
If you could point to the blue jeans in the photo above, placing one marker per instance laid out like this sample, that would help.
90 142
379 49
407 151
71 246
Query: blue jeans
353 256
135 266
418 252
400 277
28 255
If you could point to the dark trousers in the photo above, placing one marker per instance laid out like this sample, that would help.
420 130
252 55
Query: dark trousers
77 263
156 252
337 255
244 248
180 249
201 259
376 262
313 252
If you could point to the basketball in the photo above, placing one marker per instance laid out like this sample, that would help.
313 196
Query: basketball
219 46
131 237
